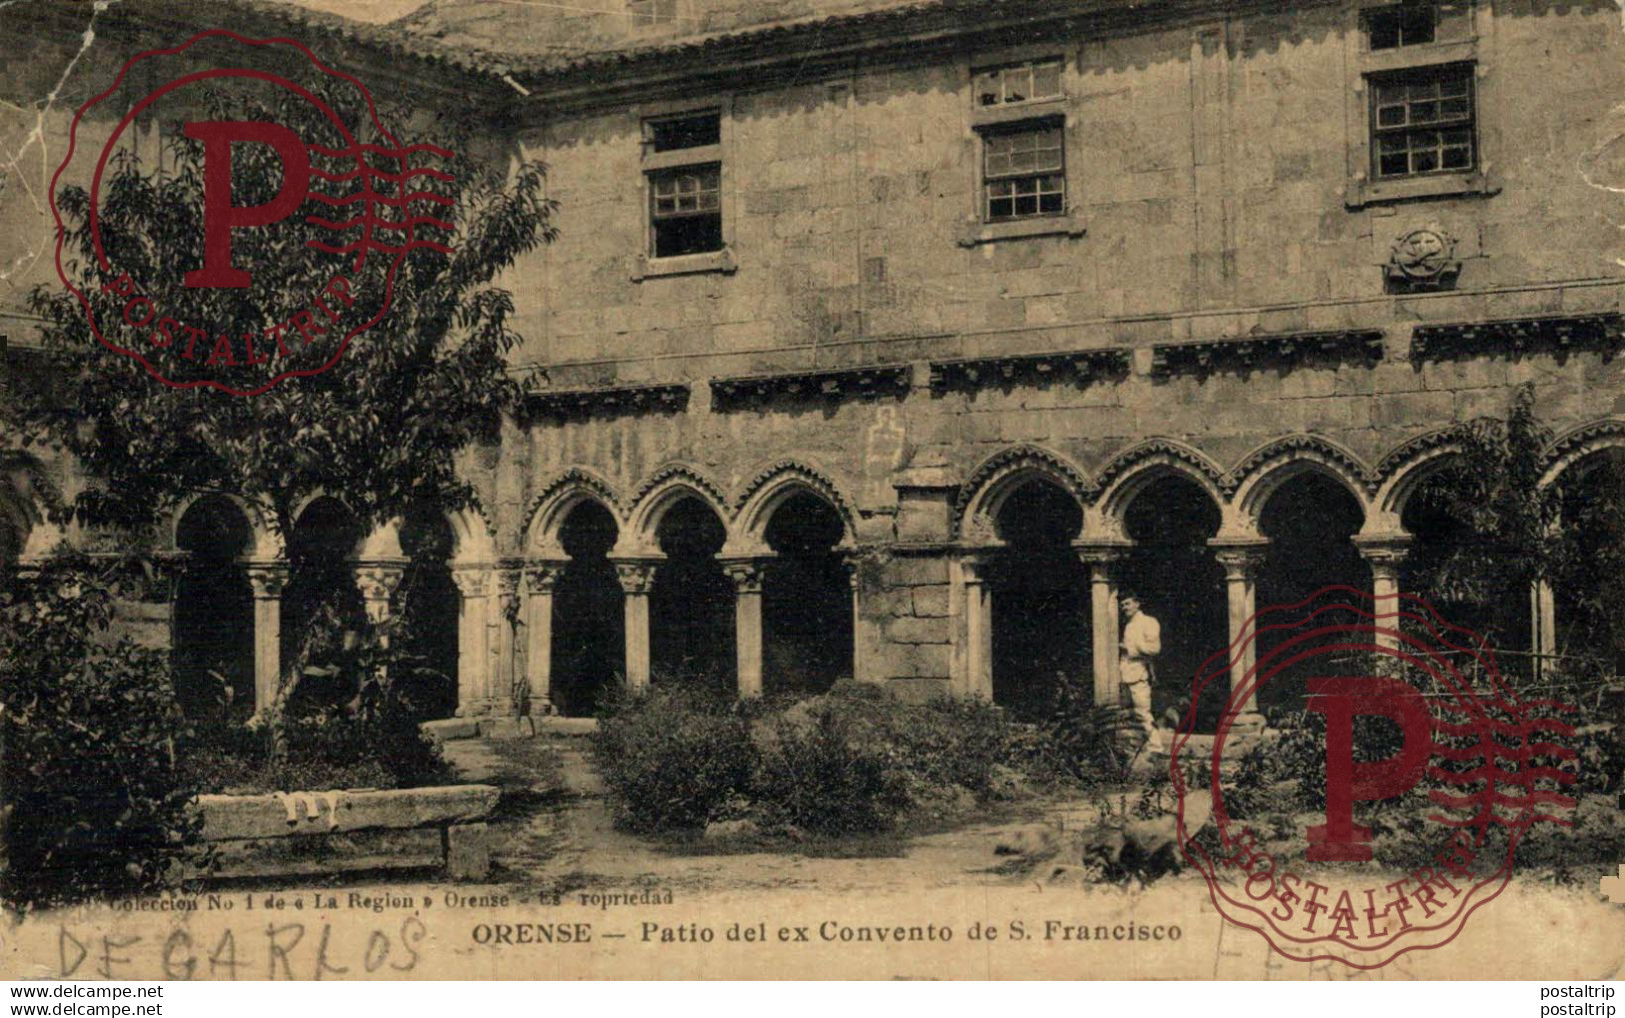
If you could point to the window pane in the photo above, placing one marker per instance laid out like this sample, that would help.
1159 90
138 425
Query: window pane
1424 113
1050 203
1047 80
1457 159
1424 162
685 132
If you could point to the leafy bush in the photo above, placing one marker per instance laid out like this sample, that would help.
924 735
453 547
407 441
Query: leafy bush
854 760
821 777
1084 740
672 756
94 801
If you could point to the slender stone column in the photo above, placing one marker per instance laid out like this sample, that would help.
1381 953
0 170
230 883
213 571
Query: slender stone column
1543 627
859 672
973 570
637 578
540 579
1385 553
267 580
1240 562
1102 560
746 574
505 692
473 662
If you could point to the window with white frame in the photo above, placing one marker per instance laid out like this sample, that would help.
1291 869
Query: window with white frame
685 198
1023 170
1422 122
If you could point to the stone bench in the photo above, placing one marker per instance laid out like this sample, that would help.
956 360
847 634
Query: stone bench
312 833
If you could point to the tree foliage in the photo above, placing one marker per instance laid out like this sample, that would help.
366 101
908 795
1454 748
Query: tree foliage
382 426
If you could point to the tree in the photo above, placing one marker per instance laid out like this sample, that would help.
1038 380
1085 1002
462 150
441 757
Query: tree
1503 531
383 426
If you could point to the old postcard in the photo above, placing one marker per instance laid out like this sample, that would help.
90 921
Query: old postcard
959 489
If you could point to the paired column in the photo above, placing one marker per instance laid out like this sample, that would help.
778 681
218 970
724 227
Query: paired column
505 693
859 671
267 580
973 573
1241 560
637 579
1385 553
1104 617
746 574
473 672
540 579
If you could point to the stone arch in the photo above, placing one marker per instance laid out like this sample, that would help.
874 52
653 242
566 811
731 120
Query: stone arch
1001 475
552 506
773 485
1130 471
1580 444
1261 474
266 542
656 496
1404 470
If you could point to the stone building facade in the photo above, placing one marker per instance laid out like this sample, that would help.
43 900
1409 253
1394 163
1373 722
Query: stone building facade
888 340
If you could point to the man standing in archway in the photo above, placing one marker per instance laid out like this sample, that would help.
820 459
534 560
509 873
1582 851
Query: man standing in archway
1142 641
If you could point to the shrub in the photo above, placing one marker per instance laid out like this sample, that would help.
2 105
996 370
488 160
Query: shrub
672 756
1084 740
94 802
825 778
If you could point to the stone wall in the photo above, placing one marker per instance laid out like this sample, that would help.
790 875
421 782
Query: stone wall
1211 165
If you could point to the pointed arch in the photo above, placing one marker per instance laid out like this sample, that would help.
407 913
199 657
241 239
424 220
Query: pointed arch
769 488
1581 443
1262 472
1404 470
664 489
546 513
266 542
1128 473
982 496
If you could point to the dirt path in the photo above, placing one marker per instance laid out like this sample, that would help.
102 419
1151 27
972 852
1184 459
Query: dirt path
555 831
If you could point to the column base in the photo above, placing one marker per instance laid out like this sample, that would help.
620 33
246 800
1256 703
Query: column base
1248 723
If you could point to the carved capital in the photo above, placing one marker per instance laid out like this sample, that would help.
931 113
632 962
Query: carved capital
267 578
1101 558
542 577
975 562
637 577
472 581
1384 552
1240 561
745 573
378 580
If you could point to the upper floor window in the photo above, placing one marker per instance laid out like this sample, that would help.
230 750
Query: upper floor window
1024 170
683 163
1018 83
1406 24
1422 121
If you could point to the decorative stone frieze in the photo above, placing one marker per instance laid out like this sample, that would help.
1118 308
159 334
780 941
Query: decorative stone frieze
1282 350
872 382
607 401
1079 368
1515 337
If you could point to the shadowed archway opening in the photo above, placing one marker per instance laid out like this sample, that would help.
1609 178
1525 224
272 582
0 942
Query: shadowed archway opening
691 606
589 614
213 644
806 599
322 613
428 602
1493 603
18 514
1181 585
1310 521
1040 595
1590 624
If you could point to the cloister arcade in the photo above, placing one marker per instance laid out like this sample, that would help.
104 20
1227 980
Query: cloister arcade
756 590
